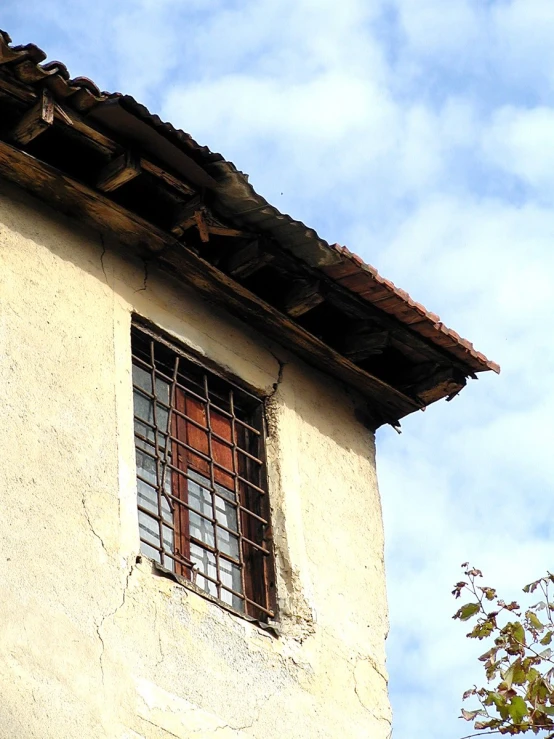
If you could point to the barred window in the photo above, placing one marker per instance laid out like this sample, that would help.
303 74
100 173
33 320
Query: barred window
201 487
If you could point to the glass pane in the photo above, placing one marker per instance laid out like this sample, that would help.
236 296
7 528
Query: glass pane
143 406
232 599
227 543
149 529
152 553
167 514
201 529
142 378
146 466
200 497
225 492
225 513
162 417
148 433
205 562
147 496
168 541
230 578
162 390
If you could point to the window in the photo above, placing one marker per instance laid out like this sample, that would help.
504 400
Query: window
201 487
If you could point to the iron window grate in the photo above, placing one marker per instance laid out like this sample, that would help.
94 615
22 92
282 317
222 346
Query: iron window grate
201 478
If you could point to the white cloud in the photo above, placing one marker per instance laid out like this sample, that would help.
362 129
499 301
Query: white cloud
521 142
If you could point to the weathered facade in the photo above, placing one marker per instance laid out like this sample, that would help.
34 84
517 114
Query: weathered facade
97 641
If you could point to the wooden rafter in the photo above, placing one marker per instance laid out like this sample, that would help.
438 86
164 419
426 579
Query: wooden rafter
302 297
36 120
119 171
248 259
364 341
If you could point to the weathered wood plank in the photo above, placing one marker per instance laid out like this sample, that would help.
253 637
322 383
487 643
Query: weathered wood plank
365 341
202 227
167 177
303 297
119 171
36 120
231 232
248 260
184 217
16 90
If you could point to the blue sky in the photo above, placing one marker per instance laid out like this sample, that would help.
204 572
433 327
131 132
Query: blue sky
420 134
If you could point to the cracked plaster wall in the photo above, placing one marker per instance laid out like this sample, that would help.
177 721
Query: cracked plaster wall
93 644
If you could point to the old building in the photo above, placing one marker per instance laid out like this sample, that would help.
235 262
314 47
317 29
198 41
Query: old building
191 534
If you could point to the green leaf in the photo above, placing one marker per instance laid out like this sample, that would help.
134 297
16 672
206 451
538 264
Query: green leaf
547 638
517 709
509 676
467 611
481 630
534 620
515 630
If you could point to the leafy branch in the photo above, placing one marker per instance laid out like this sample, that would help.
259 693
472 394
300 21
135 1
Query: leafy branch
519 662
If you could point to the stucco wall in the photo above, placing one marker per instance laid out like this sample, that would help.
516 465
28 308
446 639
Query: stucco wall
93 644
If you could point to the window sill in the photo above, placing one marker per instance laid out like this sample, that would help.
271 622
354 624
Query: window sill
271 627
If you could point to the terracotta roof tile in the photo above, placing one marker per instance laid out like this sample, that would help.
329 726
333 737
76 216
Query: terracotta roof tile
400 305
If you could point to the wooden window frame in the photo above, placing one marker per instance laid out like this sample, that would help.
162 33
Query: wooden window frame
205 433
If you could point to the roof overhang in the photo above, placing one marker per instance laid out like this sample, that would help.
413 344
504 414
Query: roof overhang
106 160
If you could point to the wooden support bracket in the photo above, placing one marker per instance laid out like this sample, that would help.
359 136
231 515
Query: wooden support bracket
365 341
202 226
247 260
119 171
429 383
302 297
36 120
185 215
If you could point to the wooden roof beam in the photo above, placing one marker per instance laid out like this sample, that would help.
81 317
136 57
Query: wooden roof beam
248 259
94 138
36 120
365 340
302 297
119 171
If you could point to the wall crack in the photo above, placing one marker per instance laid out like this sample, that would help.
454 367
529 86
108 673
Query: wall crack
111 615
279 376
95 533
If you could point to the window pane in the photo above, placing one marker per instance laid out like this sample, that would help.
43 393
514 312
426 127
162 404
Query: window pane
143 407
227 543
151 553
146 466
205 562
147 496
225 513
230 578
142 378
149 529
200 497
201 529
226 492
